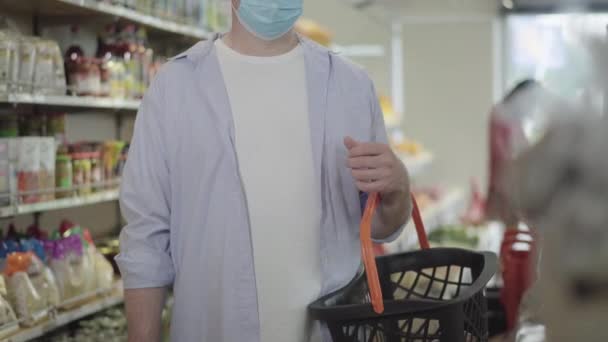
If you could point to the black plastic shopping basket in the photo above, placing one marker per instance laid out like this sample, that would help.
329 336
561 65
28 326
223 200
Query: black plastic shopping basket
431 295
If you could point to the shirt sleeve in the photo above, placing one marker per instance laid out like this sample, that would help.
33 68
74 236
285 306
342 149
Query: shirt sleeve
145 258
379 135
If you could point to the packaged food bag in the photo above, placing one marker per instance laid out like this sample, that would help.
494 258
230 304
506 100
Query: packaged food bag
104 272
44 281
67 263
88 257
8 319
35 246
30 304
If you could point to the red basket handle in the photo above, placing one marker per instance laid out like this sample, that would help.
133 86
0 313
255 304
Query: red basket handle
367 251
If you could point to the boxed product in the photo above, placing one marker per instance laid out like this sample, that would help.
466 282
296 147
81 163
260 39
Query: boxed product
28 169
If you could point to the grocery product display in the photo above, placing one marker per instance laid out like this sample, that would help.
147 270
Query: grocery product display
45 272
108 325
38 164
30 65
122 65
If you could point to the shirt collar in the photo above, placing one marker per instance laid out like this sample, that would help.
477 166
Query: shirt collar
202 48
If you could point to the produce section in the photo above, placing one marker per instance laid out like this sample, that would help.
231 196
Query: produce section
446 209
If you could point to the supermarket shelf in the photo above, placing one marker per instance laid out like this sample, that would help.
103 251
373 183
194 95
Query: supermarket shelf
82 8
101 302
94 198
416 165
359 50
447 210
71 101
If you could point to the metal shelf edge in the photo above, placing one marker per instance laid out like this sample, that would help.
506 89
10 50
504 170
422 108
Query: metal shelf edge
64 203
67 317
144 19
71 101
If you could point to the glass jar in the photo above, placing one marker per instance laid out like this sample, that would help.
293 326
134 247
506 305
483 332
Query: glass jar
117 81
104 79
81 169
55 126
9 125
96 171
63 176
84 76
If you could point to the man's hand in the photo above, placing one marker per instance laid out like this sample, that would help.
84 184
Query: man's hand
377 169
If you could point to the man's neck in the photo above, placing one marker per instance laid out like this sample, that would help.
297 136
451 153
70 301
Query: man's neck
244 42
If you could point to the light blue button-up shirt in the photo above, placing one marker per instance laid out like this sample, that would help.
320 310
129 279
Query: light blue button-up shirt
183 198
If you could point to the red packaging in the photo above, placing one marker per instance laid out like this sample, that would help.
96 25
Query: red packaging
516 261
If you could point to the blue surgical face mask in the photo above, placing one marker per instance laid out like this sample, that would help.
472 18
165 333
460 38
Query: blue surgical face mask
269 19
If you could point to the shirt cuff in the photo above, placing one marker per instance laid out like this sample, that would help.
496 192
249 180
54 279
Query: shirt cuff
156 271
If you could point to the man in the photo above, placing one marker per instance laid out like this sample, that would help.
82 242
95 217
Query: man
251 156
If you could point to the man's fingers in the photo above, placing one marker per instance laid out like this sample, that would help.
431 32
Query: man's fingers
350 143
367 149
367 175
377 186
366 162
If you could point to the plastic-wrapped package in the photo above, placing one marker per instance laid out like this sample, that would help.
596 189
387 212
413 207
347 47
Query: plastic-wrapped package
68 264
103 271
44 282
39 273
8 319
28 302
88 269
27 63
88 261
35 246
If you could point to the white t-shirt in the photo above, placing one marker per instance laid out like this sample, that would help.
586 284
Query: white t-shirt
269 101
